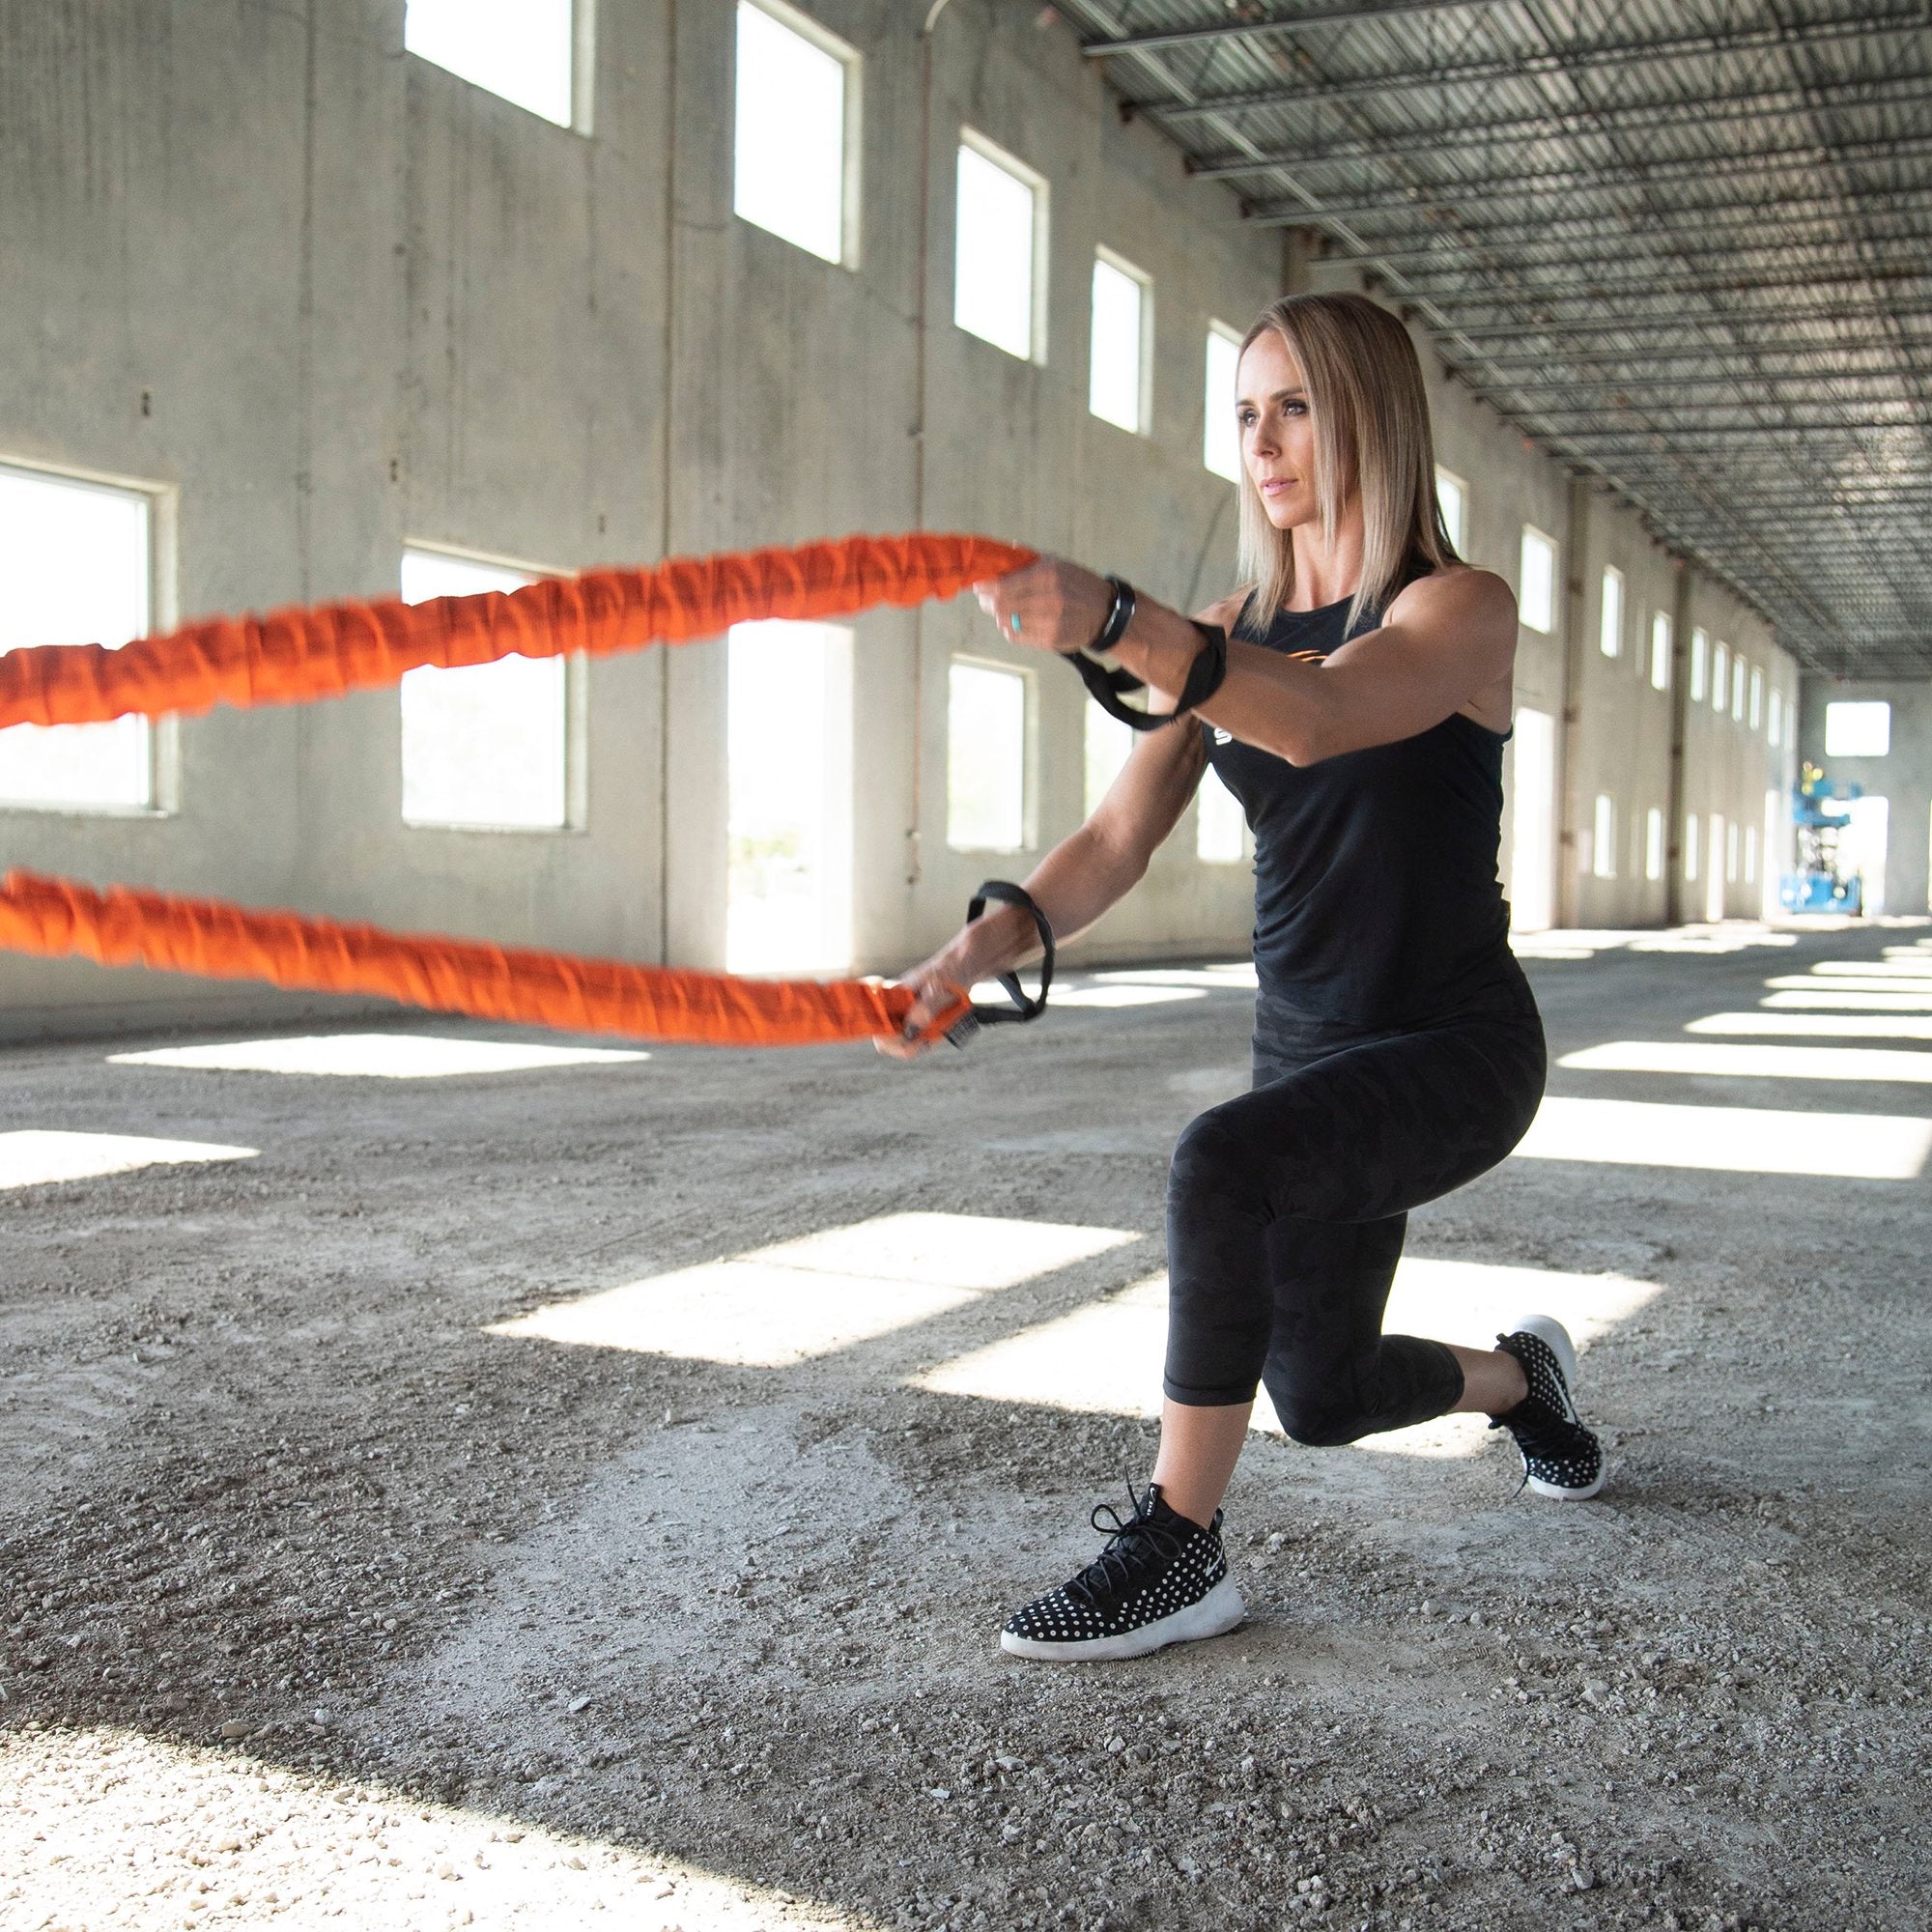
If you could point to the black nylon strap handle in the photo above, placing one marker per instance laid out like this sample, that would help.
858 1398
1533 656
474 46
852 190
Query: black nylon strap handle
1025 1006
1107 688
1204 677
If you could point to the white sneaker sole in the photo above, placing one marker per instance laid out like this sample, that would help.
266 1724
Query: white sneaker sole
1214 1615
1552 1333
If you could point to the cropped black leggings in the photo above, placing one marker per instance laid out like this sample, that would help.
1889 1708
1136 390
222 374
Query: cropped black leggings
1286 1207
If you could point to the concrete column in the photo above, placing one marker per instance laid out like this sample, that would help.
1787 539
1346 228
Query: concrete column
1682 618
1576 539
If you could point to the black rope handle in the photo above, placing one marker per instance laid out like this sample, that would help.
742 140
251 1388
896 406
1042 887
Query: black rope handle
1025 1006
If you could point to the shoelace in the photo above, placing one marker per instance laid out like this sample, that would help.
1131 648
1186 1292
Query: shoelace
1116 1567
1543 1432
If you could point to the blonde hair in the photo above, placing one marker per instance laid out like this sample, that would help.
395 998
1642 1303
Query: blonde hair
1371 436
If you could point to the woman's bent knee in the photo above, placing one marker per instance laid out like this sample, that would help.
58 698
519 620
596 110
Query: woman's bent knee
1321 1422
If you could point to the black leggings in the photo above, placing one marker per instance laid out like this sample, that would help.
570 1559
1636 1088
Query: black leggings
1285 1208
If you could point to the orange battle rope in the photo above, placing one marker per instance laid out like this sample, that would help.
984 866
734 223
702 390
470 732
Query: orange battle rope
295 655
290 656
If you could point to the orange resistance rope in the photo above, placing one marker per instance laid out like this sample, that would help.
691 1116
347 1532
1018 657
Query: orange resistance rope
126 927
292 655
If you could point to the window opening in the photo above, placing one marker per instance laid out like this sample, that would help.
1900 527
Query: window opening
999 248
789 734
1610 614
1119 365
1221 437
521 51
484 746
986 758
77 567
1537 598
796 137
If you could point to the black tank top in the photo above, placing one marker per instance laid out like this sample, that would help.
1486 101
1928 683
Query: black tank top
1376 897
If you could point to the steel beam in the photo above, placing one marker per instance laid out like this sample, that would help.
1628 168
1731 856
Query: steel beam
1697 113
1840 312
1583 178
1478 289
1322 14
1601 55
1516 232
1703 244
1723 432
1645 386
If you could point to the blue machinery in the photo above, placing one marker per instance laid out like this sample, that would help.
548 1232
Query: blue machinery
1819 885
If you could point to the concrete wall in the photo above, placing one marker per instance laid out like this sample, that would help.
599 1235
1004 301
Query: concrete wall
326 300
1903 777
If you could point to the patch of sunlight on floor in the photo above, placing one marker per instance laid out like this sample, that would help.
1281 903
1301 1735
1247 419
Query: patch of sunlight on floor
34 1156
1735 1140
1918 967
1917 952
1125 996
1845 1026
1237 977
1767 1062
1841 982
781 1305
376 1056
107 1827
1729 938
1851 1003
1585 943
1106 1358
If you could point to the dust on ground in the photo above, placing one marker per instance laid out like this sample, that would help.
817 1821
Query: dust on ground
323 1602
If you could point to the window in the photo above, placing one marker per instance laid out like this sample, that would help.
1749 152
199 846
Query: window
1700 653
1653 844
1604 846
76 564
1610 614
1221 438
1858 731
1690 831
1750 855
1773 730
1720 677
795 169
1756 696
1731 854
1000 250
1219 823
1108 743
1120 364
1660 651
985 758
788 745
1737 670
523 50
1535 599
484 746
1453 494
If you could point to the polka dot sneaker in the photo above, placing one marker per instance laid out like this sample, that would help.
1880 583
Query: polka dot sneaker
1161 1579
1560 1456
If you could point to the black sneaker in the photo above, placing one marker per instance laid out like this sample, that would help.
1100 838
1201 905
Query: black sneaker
1161 1579
1560 1456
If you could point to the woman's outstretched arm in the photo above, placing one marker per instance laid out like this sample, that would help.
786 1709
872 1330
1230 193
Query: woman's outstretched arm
1444 642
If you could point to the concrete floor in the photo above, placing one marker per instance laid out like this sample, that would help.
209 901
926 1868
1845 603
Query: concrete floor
325 1600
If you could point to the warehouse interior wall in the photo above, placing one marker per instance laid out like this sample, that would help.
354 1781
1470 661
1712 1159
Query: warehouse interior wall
369 305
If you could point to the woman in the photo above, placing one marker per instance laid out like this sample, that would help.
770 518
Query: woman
1397 1051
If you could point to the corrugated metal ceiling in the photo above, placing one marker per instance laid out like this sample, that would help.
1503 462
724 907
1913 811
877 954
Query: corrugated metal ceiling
1685 245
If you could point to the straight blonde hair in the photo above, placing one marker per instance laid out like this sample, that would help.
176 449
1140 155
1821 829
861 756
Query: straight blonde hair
1372 438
